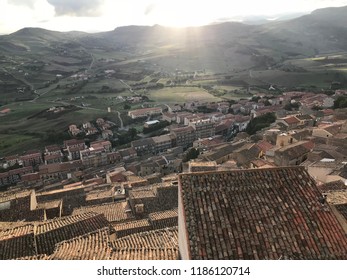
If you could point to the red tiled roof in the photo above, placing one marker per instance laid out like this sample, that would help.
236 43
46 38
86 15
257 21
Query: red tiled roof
264 146
291 120
162 238
113 212
259 214
51 232
91 246
17 242
52 148
144 110
145 254
338 185
342 208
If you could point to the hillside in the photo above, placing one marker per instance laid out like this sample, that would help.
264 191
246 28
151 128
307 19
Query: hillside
33 57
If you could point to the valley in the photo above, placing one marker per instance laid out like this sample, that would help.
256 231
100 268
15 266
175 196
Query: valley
99 73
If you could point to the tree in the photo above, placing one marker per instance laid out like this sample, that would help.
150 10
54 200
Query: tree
191 154
126 106
155 127
340 102
132 133
127 137
267 103
260 122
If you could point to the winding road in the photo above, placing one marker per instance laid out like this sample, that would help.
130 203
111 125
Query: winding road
120 120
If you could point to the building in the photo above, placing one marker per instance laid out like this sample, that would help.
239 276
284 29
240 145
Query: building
170 117
293 154
128 154
59 171
328 170
102 144
10 161
145 112
151 123
14 176
207 144
204 128
184 136
144 146
275 213
53 158
32 158
162 143
222 153
74 130
201 166
181 116
327 130
241 122
94 157
73 148
53 149
290 122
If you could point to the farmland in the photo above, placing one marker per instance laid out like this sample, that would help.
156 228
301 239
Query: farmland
181 95
89 73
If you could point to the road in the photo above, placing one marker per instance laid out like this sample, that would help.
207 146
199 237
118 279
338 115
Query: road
92 62
128 86
78 106
120 119
51 87
20 79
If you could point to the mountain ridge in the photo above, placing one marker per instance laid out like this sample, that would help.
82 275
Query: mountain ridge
226 47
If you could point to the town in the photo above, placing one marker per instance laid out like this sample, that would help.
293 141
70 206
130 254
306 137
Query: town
125 201
207 137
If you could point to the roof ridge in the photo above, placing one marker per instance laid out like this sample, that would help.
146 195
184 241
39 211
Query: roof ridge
258 170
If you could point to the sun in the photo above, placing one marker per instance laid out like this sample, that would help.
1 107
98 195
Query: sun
180 14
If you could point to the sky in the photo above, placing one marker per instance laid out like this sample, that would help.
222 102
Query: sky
104 15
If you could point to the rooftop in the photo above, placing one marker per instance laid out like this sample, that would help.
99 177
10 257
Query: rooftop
131 225
259 214
162 215
11 195
91 246
51 232
162 238
333 186
145 254
114 212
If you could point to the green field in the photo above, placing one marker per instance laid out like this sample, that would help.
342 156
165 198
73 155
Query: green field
181 95
23 128
15 143
319 79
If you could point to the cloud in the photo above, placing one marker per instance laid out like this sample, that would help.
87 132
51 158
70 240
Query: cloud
27 3
149 8
79 8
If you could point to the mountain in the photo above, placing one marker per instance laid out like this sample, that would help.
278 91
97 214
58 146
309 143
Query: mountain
322 31
220 48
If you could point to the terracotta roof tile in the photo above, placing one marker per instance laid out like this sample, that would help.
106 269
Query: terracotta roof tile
145 254
113 212
333 186
11 195
162 238
131 227
259 214
42 257
91 246
17 242
51 232
342 208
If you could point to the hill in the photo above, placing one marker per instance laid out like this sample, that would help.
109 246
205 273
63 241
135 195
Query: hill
34 57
